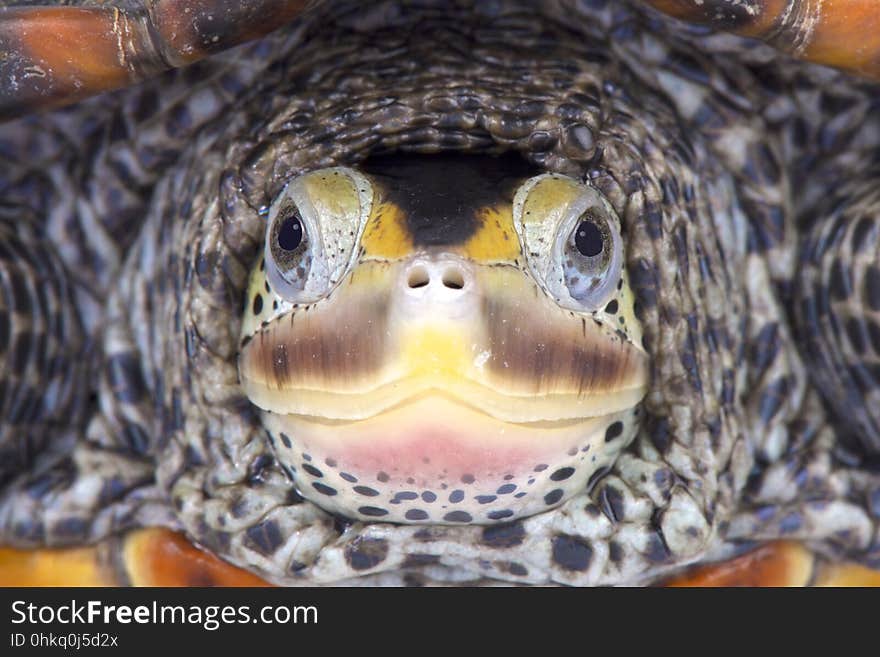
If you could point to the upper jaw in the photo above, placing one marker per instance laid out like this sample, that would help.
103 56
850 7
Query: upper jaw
394 331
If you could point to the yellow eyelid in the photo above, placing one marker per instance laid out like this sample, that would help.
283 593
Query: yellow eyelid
547 197
332 193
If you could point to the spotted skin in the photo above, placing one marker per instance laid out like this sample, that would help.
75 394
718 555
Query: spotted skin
713 151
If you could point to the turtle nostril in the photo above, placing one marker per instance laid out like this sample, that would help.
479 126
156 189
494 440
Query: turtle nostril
418 277
453 279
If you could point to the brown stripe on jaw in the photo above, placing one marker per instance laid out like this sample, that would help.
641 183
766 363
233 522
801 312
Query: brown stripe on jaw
318 346
544 352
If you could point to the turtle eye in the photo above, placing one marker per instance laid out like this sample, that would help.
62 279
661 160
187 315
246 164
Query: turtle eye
590 267
290 253
315 224
571 238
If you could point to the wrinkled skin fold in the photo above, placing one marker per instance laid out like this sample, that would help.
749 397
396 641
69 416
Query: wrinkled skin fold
715 156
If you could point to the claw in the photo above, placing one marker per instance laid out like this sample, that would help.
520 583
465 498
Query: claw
844 34
53 56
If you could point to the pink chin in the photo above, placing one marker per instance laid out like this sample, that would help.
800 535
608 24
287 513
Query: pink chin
436 461
433 440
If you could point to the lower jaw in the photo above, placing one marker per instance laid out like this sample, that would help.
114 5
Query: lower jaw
439 462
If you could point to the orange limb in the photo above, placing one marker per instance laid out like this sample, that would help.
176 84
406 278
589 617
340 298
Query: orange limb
53 56
841 33
147 557
777 564
54 567
159 557
774 564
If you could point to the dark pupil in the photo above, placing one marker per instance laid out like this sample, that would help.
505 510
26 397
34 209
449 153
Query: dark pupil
290 234
588 239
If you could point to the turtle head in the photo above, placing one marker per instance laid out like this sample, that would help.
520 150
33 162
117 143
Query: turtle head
442 339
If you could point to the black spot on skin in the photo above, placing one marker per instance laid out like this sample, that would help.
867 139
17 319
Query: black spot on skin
416 514
840 284
366 490
562 474
872 287
372 511
383 477
615 552
499 515
485 499
765 347
790 523
258 304
257 469
404 496
292 497
71 528
596 476
312 470
504 536
428 496
572 553
365 553
553 496
330 462
505 489
611 307
541 467
772 399
264 537
467 479
458 516
286 441
456 496
350 478
657 551
417 560
239 508
613 431
515 569
324 489
611 500
660 434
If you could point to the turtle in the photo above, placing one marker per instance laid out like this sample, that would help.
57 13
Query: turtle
570 292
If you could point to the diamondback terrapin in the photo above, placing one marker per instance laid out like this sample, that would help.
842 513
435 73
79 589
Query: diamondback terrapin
431 292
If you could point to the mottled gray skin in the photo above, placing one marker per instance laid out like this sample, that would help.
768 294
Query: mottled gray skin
141 214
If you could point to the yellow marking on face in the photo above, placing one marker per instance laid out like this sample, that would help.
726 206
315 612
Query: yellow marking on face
440 350
386 234
549 199
332 193
496 239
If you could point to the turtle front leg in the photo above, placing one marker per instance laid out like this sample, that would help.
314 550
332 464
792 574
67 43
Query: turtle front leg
42 346
838 305
783 563
61 481
845 33
58 55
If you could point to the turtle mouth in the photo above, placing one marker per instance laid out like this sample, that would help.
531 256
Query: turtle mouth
439 432
437 459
